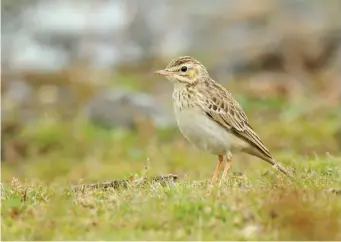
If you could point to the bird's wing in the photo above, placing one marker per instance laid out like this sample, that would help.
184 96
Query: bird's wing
219 105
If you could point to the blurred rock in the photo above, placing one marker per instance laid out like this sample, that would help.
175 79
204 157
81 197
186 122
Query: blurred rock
265 39
118 108
16 96
251 35
43 39
289 54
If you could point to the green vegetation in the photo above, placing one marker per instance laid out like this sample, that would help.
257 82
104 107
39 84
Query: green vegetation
44 159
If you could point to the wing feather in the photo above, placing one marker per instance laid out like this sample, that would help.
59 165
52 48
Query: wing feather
220 106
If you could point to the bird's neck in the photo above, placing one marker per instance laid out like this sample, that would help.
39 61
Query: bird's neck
186 85
179 86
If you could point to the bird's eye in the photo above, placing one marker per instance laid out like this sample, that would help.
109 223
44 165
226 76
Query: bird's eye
184 68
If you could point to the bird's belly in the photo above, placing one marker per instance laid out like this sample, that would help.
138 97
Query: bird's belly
203 132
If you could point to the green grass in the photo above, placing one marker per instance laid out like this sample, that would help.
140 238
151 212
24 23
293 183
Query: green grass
260 204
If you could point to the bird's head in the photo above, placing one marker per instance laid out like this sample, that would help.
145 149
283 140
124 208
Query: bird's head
185 70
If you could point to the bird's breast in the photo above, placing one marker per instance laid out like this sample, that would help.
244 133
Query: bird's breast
201 131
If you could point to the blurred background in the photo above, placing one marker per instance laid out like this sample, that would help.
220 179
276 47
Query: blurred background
79 94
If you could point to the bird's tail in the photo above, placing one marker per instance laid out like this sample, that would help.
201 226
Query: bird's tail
279 167
268 158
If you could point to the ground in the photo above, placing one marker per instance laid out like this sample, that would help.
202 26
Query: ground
255 203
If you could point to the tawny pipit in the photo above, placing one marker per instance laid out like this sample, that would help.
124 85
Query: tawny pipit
209 117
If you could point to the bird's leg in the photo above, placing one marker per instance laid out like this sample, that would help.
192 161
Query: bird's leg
227 167
217 168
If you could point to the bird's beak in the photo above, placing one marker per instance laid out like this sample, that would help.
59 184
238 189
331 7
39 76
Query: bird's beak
163 72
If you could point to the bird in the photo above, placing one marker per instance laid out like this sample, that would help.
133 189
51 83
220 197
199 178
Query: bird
210 118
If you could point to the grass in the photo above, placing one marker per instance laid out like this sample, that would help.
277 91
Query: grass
255 203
